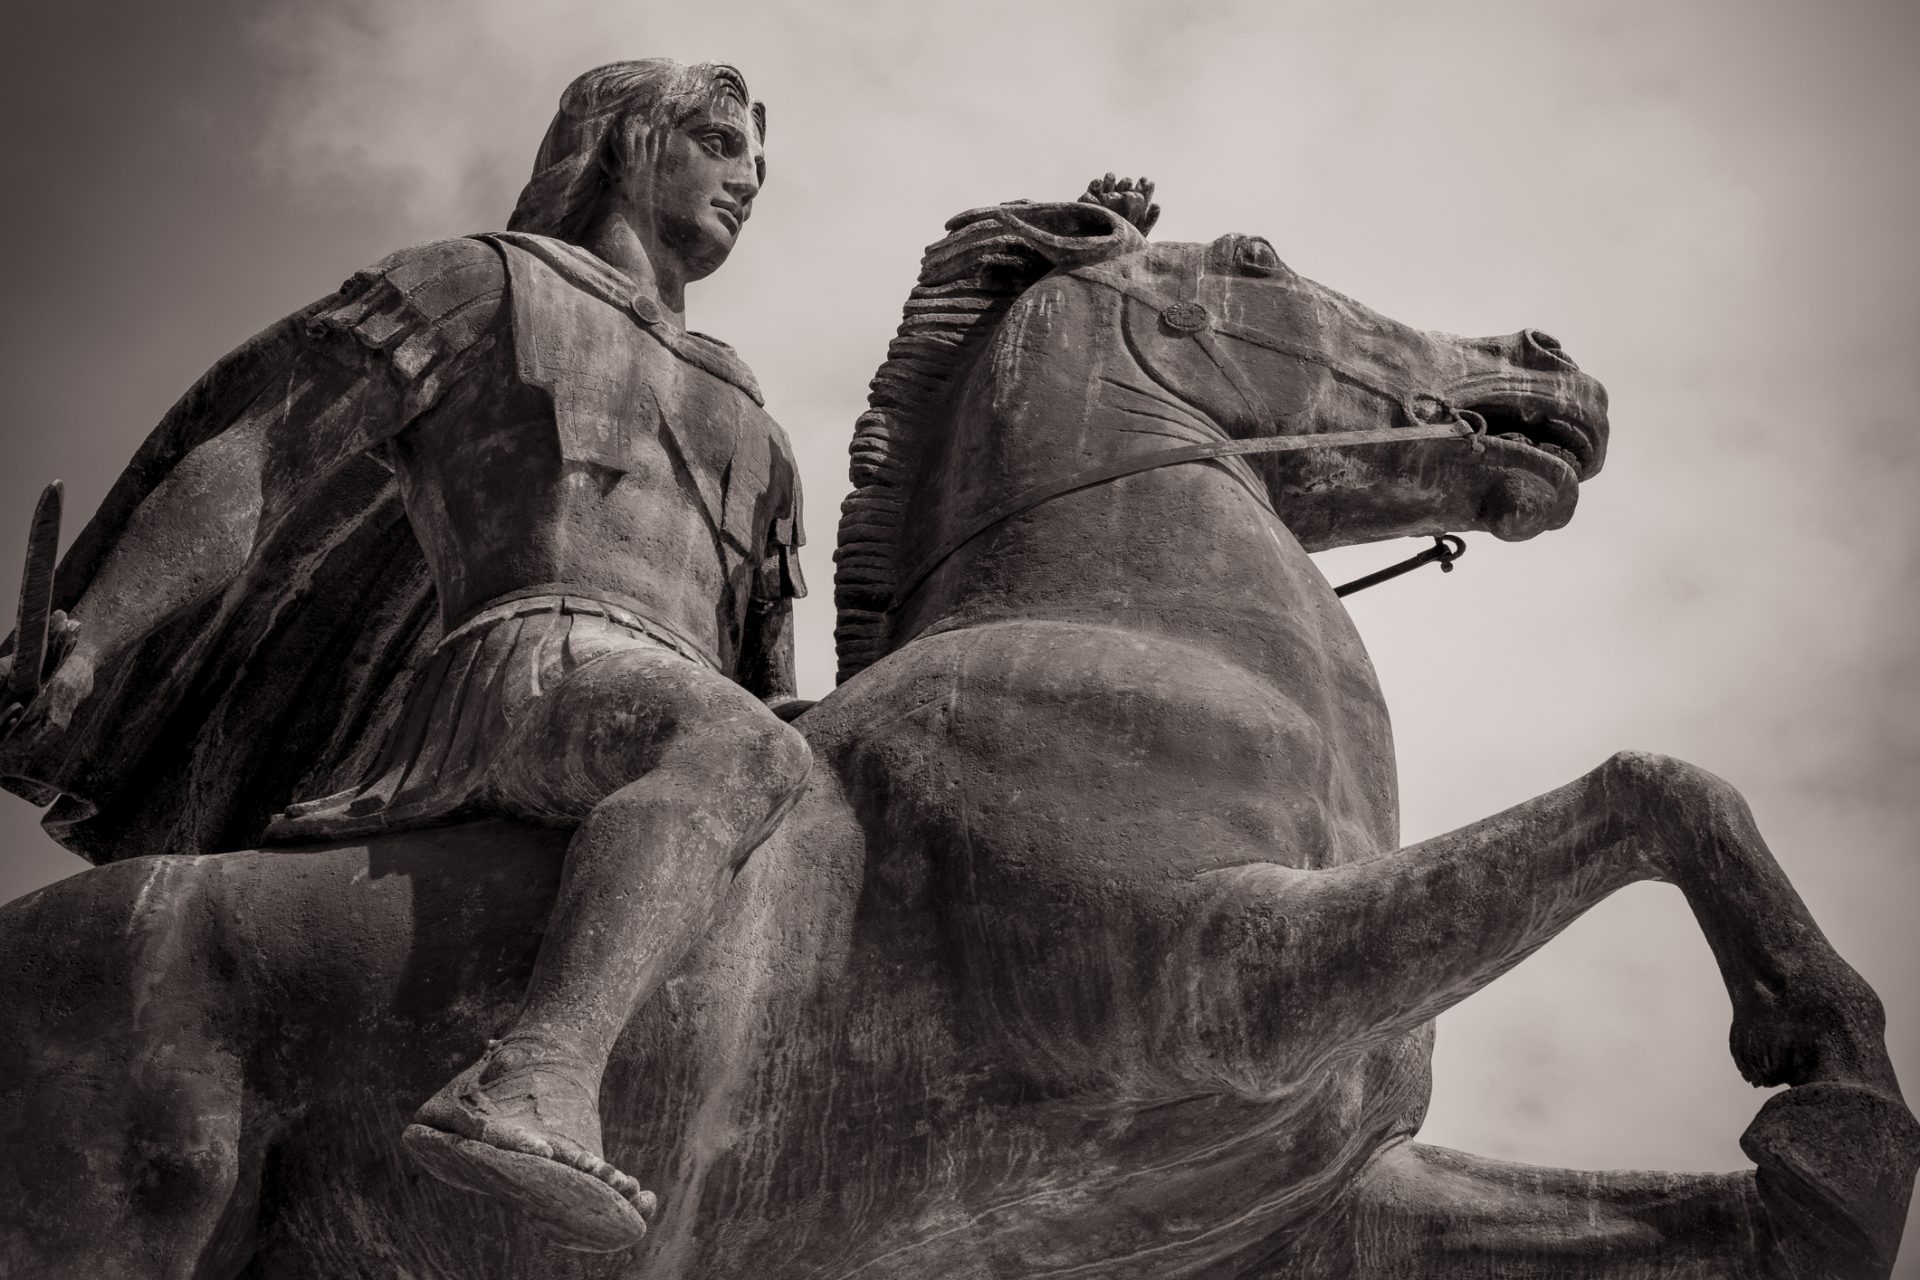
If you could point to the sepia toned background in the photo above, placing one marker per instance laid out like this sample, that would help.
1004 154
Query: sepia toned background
1712 204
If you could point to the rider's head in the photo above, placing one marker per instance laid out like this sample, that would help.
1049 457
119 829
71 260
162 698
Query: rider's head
674 150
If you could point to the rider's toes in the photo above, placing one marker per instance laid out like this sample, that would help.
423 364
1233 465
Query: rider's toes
513 1137
625 1185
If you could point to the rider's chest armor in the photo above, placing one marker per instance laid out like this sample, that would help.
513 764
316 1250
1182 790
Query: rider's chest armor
645 401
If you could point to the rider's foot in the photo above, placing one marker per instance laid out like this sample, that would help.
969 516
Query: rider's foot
523 1125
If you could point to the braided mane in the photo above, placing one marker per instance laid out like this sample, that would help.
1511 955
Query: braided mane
967 282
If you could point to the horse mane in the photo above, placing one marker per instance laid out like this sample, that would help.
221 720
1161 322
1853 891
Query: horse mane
967 282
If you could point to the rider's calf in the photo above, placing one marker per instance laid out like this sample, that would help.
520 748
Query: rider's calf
682 774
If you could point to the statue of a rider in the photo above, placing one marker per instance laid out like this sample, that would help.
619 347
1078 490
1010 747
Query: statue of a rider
488 532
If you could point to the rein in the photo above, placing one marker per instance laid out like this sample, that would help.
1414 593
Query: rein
1048 490
1193 320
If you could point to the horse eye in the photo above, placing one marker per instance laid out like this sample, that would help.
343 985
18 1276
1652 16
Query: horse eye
1257 257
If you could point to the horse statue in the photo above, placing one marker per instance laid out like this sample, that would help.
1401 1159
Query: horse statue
1091 950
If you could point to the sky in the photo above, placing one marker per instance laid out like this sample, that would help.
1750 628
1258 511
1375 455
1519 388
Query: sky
1711 203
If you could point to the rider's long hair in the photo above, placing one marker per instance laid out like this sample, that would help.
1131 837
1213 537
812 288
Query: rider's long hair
621 109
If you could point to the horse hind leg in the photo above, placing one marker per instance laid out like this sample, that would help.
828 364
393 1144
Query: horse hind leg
1437 1214
1835 1171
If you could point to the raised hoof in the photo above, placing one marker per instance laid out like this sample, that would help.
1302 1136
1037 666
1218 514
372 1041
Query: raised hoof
1835 1170
573 1209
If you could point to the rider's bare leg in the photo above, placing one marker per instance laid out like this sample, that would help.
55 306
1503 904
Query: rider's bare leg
1371 950
647 868
714 772
1446 1215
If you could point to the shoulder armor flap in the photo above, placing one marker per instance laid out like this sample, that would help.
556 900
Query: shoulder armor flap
420 308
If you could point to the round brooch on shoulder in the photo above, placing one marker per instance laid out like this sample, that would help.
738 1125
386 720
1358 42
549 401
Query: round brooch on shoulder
1186 317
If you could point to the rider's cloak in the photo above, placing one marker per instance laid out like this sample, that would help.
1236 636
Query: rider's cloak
285 677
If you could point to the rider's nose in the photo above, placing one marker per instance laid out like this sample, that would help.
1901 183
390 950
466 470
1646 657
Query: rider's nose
743 183
1541 350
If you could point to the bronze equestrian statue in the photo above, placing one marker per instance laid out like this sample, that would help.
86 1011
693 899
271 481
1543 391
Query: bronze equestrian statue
1089 947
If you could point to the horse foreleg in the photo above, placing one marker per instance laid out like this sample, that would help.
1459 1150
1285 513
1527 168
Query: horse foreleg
1445 1215
1371 950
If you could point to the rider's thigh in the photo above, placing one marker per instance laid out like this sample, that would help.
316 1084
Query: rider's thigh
631 712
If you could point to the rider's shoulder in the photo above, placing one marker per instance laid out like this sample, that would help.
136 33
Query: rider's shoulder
430 300
442 273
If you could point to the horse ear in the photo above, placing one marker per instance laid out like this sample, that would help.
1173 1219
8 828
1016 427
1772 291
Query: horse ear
1070 234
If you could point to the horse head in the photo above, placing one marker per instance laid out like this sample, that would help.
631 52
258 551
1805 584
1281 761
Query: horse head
1241 345
1049 348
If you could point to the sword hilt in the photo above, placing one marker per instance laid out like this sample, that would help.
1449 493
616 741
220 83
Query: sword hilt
25 680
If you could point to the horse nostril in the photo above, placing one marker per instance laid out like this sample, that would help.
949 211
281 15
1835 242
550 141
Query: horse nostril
1543 343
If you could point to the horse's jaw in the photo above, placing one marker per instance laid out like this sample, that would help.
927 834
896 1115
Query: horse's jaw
1528 444
1280 354
1425 488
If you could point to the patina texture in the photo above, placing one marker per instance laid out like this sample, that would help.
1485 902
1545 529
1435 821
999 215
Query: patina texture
1090 949
573 609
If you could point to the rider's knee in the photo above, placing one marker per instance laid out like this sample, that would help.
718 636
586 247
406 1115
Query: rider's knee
776 756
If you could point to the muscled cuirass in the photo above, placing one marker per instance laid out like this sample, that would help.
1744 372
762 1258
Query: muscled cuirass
599 450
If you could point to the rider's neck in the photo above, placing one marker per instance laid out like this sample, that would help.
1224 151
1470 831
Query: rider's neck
616 242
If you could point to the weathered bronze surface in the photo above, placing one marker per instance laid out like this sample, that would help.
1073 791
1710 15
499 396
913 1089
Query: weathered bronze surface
1090 947
571 610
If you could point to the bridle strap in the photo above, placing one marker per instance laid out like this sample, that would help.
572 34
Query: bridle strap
1048 490
1192 320
1206 326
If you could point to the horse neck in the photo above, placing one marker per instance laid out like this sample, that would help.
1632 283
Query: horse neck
1192 551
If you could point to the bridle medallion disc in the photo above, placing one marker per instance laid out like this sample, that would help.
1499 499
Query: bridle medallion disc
1186 317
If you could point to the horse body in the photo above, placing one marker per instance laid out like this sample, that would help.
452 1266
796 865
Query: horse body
1090 952
809 1094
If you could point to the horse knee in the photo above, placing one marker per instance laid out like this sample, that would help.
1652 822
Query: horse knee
1686 803
1650 774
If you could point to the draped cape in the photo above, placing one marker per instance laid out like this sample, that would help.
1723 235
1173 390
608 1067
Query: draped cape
283 680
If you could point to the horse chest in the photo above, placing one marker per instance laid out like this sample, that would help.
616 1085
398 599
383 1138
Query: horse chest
1331 682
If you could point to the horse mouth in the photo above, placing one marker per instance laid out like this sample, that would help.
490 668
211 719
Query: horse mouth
1548 429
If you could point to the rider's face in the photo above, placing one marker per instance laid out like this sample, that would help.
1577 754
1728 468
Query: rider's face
707 172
